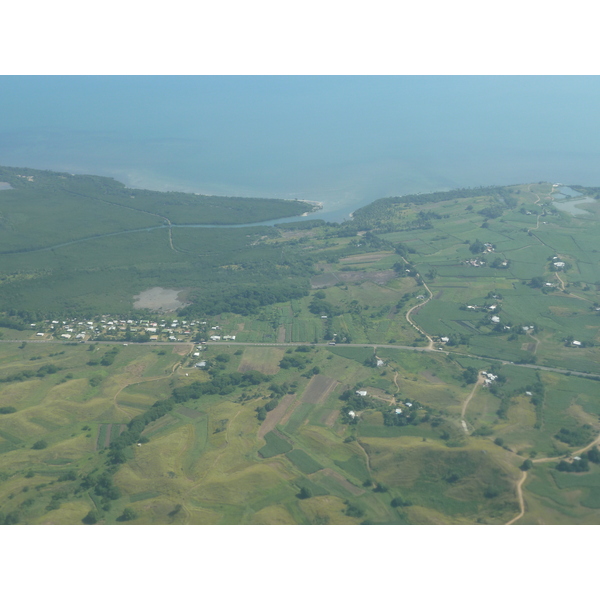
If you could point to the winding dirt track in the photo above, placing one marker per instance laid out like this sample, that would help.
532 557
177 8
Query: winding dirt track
544 460
480 380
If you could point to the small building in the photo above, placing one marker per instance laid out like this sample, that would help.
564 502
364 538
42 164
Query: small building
445 339
201 364
409 404
352 414
559 264
495 319
361 392
215 338
576 343
398 411
380 363
40 334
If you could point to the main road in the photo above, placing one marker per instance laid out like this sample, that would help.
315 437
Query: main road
293 344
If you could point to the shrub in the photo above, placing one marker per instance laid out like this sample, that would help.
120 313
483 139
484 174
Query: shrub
40 445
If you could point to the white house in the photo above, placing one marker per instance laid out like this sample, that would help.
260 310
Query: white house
398 411
361 392
576 343
352 414
559 264
495 319
215 338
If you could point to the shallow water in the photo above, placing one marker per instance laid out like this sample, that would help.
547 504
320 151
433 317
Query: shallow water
571 206
344 141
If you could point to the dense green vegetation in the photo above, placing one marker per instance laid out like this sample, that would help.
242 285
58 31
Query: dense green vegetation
375 413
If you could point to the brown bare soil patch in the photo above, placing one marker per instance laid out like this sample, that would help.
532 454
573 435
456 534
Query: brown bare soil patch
318 389
431 377
356 491
365 258
380 395
262 359
329 419
189 412
323 280
276 415
329 279
107 436
281 334
182 349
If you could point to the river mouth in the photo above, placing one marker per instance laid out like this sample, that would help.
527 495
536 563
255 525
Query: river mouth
159 299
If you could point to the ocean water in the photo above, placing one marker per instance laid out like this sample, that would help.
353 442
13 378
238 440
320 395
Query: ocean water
342 141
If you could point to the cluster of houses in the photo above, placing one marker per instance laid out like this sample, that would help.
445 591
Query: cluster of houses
107 327
475 262
488 378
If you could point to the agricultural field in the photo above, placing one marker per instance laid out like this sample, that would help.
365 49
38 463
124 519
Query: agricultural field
433 361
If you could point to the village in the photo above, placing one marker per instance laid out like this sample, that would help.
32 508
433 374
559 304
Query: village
108 328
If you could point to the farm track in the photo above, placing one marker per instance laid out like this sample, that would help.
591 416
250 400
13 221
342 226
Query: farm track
479 382
548 459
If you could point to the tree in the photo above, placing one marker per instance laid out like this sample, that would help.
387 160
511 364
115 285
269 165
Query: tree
128 514
399 501
305 493
537 282
470 375
40 445
476 247
527 464
91 518
594 455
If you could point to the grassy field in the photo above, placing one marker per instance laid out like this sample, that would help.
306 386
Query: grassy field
278 435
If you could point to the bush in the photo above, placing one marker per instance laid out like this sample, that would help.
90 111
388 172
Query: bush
128 515
398 502
7 410
40 445
91 518
305 493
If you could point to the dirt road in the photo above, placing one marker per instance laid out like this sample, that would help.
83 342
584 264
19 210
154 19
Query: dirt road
480 380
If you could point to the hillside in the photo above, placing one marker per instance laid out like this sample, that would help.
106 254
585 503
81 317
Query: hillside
467 320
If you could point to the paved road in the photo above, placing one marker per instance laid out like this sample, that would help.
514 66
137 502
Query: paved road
293 344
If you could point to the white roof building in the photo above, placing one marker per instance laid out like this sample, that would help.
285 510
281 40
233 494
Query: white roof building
361 392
